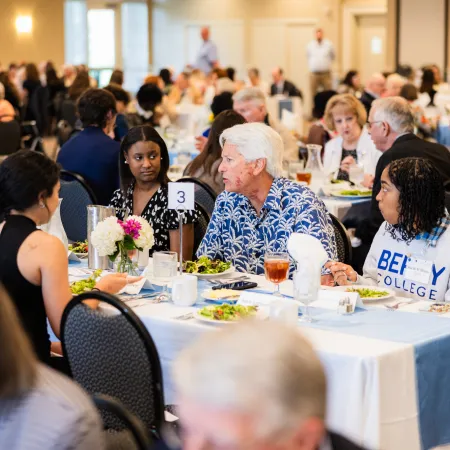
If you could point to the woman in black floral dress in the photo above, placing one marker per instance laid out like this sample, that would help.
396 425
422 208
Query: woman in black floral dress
143 166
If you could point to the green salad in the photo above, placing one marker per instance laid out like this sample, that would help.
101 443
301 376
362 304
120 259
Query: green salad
204 265
79 247
356 192
368 293
78 287
228 313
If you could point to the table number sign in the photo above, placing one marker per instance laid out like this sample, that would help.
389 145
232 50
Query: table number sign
181 196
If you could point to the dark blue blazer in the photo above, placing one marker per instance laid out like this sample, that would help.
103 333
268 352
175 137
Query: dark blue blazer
95 156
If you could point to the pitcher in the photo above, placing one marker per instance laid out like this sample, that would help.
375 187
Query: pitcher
96 214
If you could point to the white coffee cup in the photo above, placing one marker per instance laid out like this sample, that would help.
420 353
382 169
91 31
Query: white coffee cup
184 290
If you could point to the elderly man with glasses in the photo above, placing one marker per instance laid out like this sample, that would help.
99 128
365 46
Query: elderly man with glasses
259 210
391 126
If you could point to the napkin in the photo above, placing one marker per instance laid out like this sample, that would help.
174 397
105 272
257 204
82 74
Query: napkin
305 247
72 256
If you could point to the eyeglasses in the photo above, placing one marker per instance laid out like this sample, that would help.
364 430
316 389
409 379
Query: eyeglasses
369 124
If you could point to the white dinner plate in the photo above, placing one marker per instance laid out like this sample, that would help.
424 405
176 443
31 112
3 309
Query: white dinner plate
214 275
350 197
390 294
260 315
81 255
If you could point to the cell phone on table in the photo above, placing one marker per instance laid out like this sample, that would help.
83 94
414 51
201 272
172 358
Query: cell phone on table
237 285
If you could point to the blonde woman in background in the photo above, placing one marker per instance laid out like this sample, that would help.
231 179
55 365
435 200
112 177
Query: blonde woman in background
39 408
346 115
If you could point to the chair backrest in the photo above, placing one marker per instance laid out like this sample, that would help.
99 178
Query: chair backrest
39 107
110 352
343 244
200 227
76 195
111 406
204 194
10 134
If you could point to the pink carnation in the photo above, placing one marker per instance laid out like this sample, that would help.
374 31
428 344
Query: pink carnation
131 227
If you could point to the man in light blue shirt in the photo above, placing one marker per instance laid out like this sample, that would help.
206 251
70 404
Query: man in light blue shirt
207 55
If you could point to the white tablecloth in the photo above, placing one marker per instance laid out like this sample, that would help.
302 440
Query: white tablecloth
371 382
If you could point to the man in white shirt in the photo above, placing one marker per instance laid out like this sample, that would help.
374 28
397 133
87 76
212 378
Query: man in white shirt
207 58
321 54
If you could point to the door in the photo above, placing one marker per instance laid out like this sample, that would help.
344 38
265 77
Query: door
370 43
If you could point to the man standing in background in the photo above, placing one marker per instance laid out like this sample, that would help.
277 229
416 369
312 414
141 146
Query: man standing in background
320 53
207 58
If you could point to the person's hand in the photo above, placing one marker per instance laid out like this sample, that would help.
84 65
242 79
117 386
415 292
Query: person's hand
343 274
368 181
115 282
327 280
200 142
346 163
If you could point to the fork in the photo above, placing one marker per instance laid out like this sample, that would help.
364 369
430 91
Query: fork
228 280
395 306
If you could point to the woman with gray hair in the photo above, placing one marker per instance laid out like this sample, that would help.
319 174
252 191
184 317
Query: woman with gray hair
259 210
252 386
39 408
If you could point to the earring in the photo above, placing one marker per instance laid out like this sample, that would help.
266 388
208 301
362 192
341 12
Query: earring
41 205
126 161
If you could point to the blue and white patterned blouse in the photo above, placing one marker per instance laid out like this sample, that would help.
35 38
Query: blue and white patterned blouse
236 233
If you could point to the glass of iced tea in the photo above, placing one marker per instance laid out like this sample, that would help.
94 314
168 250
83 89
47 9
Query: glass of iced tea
276 268
304 176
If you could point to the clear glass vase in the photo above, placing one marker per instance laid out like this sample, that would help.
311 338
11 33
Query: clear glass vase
126 263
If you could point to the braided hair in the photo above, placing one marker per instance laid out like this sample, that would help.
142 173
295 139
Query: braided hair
421 200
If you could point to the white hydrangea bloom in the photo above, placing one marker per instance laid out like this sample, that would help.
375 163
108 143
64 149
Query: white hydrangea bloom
146 238
105 236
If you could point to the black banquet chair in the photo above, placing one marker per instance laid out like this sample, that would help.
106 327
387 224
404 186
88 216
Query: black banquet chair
10 137
201 226
110 352
203 194
76 195
132 433
343 244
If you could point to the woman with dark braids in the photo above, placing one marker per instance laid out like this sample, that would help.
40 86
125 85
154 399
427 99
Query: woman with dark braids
411 251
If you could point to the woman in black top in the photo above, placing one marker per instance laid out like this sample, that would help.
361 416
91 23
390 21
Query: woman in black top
144 162
56 91
30 85
33 264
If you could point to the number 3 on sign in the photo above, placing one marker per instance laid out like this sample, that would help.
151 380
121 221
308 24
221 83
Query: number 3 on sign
181 196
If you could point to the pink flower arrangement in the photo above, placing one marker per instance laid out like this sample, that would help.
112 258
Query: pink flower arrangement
131 227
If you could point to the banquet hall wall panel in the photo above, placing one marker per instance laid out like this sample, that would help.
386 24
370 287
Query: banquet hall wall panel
428 45
46 40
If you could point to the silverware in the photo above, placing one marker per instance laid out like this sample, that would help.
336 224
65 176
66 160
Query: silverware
395 306
184 316
127 298
228 280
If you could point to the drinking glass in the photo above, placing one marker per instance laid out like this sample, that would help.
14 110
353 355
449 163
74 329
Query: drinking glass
356 174
164 269
306 286
276 268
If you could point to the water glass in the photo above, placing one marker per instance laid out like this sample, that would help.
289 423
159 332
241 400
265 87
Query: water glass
356 174
276 268
164 269
306 286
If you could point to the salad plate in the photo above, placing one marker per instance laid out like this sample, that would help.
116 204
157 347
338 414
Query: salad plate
226 314
368 293
208 268
352 194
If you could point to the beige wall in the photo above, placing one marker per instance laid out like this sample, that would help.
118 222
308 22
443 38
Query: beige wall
415 48
173 14
47 38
